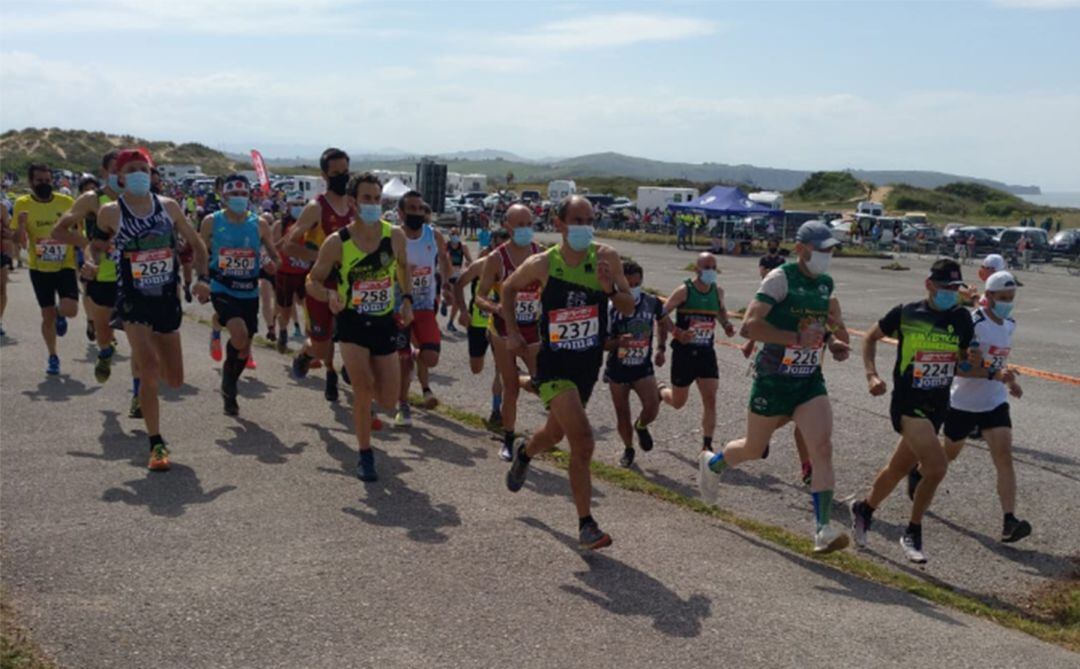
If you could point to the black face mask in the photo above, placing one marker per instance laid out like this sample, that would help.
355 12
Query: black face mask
414 221
43 191
156 190
338 183
773 250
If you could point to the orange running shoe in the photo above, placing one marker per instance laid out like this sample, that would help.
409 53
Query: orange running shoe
250 364
215 346
159 458
376 424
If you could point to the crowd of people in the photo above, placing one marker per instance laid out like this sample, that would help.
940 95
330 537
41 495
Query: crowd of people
373 291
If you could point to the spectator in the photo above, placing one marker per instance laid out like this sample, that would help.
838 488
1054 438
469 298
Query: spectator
1023 247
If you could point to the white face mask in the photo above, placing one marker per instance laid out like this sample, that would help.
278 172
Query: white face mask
636 292
818 263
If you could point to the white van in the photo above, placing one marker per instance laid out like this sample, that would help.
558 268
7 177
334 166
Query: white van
561 188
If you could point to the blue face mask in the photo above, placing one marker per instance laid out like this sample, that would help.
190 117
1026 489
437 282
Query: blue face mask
295 211
579 236
946 299
114 183
454 239
1002 309
370 213
137 183
237 204
523 236
708 276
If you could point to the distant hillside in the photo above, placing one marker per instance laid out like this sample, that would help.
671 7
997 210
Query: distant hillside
81 150
962 200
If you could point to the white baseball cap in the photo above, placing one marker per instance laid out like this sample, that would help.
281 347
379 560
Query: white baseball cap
1001 281
994 262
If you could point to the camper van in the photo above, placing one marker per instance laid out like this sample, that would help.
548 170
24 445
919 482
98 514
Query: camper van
770 199
651 197
867 208
309 187
561 188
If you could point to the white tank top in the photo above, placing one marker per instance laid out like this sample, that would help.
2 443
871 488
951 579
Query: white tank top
422 253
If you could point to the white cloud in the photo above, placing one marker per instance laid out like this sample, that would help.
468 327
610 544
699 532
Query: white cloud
609 30
467 64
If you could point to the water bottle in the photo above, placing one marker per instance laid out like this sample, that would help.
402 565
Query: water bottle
973 349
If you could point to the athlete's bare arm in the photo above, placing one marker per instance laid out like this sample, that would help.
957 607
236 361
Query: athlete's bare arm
532 270
472 272
187 233
404 273
268 244
328 256
609 271
66 229
310 216
489 274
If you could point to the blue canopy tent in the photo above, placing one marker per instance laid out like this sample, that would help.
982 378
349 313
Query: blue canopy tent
725 201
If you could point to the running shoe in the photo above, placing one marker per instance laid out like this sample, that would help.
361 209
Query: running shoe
807 473
403 418
442 309
450 327
271 335
215 345
365 467
345 376
61 326
376 424
300 365
708 478
1015 530
519 469
861 519
331 391
159 458
829 539
53 367
135 411
495 418
430 401
913 478
911 542
91 332
592 538
187 293
296 331
228 391
282 341
103 368
506 452
627 459
644 438
250 364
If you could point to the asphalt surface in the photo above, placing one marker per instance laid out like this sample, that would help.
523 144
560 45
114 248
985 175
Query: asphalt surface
259 547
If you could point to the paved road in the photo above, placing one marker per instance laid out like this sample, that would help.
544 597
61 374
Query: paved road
260 549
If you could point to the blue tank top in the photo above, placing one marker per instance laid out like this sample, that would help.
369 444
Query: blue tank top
234 256
145 249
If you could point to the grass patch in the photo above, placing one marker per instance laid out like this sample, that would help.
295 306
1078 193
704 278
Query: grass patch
17 649
896 267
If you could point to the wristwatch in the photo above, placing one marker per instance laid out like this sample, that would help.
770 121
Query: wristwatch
407 296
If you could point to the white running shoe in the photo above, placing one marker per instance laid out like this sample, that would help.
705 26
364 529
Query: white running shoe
829 539
912 545
708 480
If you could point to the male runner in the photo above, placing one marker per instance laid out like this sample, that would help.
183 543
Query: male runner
320 218
52 262
933 338
460 259
577 278
425 248
630 362
144 229
698 304
8 251
969 295
790 315
365 256
236 239
500 264
982 402
291 275
99 267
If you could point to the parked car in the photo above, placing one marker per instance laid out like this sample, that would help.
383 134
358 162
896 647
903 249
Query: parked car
1066 243
1037 236
949 227
984 243
530 196
841 230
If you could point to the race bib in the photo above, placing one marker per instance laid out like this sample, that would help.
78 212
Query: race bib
298 263
372 296
421 280
527 306
800 361
933 369
634 352
151 268
50 250
236 262
997 358
574 328
703 329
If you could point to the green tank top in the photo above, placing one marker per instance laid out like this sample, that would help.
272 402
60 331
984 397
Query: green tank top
106 264
366 280
477 317
573 309
698 314
806 305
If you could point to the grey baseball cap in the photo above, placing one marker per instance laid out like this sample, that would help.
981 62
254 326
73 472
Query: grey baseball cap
817 234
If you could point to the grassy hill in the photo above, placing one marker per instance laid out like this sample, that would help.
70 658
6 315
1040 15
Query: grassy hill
964 200
829 187
81 150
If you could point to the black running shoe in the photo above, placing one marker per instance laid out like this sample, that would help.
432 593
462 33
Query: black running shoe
301 364
271 335
331 392
913 479
627 459
228 391
1015 530
365 467
187 293
644 438
282 341
519 469
591 537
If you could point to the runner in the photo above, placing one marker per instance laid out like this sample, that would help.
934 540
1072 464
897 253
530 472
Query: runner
793 315
320 218
992 263
475 321
460 259
630 362
933 337
290 277
144 229
8 250
52 262
500 264
577 277
99 267
983 403
236 239
364 254
698 303
426 248
87 184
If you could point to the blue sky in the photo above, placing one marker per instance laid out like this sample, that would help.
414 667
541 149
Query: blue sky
987 89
